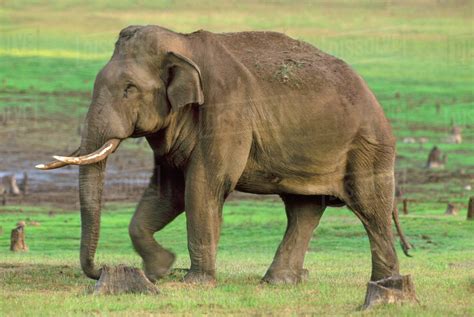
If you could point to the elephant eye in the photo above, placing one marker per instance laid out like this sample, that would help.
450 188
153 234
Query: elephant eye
128 89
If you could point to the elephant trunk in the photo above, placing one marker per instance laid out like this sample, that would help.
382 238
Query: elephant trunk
100 138
91 184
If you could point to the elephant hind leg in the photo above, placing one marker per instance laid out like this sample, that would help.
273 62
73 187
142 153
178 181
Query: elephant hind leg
369 186
303 213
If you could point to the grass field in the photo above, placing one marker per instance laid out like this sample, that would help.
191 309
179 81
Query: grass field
47 280
415 55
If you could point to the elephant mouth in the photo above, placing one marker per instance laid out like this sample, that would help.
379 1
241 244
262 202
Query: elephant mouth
103 152
139 134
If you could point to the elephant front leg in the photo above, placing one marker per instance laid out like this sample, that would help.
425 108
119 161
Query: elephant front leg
153 213
303 213
203 220
213 171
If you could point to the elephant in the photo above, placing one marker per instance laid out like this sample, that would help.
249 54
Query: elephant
256 112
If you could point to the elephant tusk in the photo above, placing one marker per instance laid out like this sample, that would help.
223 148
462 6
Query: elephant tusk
94 157
55 164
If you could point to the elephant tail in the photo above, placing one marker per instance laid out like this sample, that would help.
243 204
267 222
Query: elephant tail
403 240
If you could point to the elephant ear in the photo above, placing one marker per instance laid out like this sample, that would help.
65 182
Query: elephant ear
184 82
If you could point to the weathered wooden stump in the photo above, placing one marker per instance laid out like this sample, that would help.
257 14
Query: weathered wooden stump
436 159
405 206
123 279
398 192
451 210
395 289
470 209
456 135
25 184
17 238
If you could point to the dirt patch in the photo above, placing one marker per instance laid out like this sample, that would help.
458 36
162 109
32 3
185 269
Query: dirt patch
18 268
277 58
462 265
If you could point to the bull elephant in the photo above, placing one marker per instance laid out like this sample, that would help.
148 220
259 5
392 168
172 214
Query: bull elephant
256 112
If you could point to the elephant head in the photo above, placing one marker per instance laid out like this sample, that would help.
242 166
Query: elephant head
145 83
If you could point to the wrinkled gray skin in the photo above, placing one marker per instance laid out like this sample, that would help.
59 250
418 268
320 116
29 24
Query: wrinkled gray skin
255 112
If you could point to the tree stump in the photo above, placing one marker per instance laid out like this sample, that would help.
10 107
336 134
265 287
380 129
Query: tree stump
405 206
451 210
470 209
25 184
395 289
436 159
456 135
17 238
123 280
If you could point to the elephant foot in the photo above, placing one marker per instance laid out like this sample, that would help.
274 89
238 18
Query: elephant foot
160 266
193 277
286 276
395 289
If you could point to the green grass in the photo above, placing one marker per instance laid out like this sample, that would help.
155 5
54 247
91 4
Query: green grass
413 54
47 280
